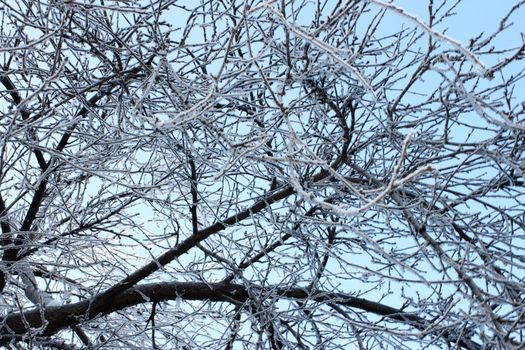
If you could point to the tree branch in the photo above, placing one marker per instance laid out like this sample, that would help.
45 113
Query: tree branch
14 326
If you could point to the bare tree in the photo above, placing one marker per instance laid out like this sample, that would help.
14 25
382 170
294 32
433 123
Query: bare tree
261 175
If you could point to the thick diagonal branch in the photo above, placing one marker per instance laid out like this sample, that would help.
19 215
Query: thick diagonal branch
14 326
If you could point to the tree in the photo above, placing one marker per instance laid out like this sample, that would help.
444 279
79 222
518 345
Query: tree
260 174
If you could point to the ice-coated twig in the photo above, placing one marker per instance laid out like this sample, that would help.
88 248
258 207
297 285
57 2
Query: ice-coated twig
137 109
343 209
191 113
435 34
326 48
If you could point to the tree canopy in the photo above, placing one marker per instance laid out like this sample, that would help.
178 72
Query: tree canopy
258 174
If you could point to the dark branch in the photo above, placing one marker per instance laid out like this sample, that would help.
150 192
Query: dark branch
14 326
